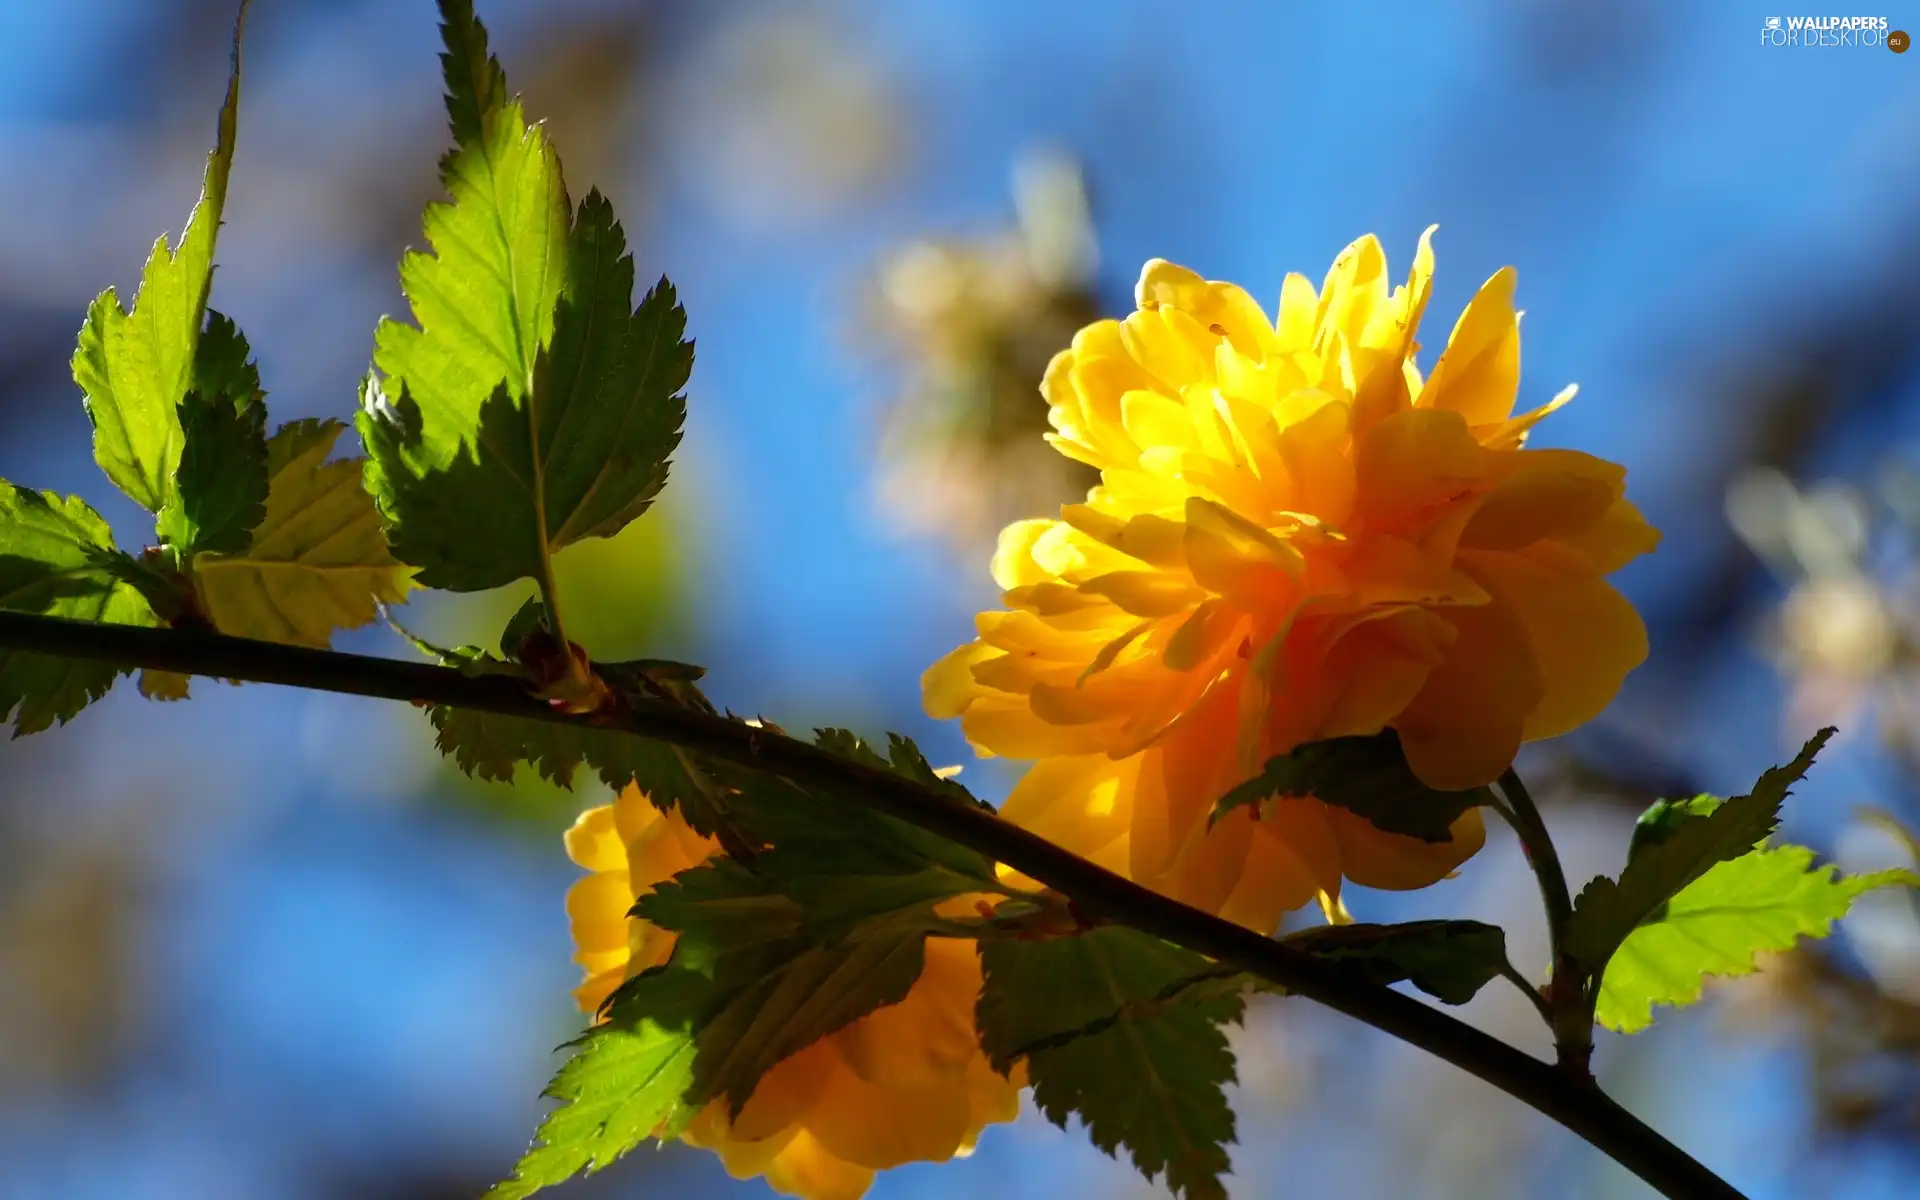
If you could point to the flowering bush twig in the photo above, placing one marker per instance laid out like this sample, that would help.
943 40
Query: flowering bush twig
1293 639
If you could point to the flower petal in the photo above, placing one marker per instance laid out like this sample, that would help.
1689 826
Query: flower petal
594 841
882 1127
1236 314
1465 727
948 687
1083 803
1583 634
927 1038
1616 539
1291 857
1377 668
806 1168
1414 461
1372 857
597 909
787 1093
1478 374
1013 563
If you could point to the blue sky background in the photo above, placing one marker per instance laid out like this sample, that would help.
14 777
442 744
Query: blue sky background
340 986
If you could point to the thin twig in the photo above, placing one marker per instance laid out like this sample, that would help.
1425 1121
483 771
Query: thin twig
1568 1012
1532 993
1583 1109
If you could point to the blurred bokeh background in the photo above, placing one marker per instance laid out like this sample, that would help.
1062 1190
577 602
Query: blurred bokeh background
267 944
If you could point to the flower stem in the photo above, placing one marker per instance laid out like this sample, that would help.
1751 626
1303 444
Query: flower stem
1574 1103
1568 1012
1527 989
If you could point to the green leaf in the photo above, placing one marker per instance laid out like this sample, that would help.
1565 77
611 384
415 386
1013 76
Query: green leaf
220 492
769 990
1449 960
484 299
448 459
1090 1015
490 746
470 661
620 1085
529 620
608 390
1367 776
744 989
1719 924
843 862
57 558
533 406
318 560
580 455
857 839
1671 849
135 368
223 363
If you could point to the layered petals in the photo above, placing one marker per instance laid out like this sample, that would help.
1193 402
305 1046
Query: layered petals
1297 535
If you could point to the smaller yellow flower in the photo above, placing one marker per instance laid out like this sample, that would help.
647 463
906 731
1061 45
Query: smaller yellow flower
905 1083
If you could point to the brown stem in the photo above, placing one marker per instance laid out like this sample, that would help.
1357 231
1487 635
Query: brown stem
1580 1107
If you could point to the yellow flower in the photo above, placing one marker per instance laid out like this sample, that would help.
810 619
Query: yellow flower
904 1083
1295 537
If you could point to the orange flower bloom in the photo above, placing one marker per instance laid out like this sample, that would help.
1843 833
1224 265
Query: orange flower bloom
904 1083
1295 537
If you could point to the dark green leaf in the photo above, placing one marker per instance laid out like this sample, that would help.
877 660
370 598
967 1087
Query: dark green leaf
769 990
743 990
1367 776
609 388
471 661
529 618
532 406
447 457
220 492
884 843
1114 1030
57 558
1663 819
590 445
223 363
1676 846
489 746
1449 960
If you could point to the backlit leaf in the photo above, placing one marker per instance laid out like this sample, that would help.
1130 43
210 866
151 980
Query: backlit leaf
1671 849
135 367
1764 900
57 558
531 406
744 988
317 562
